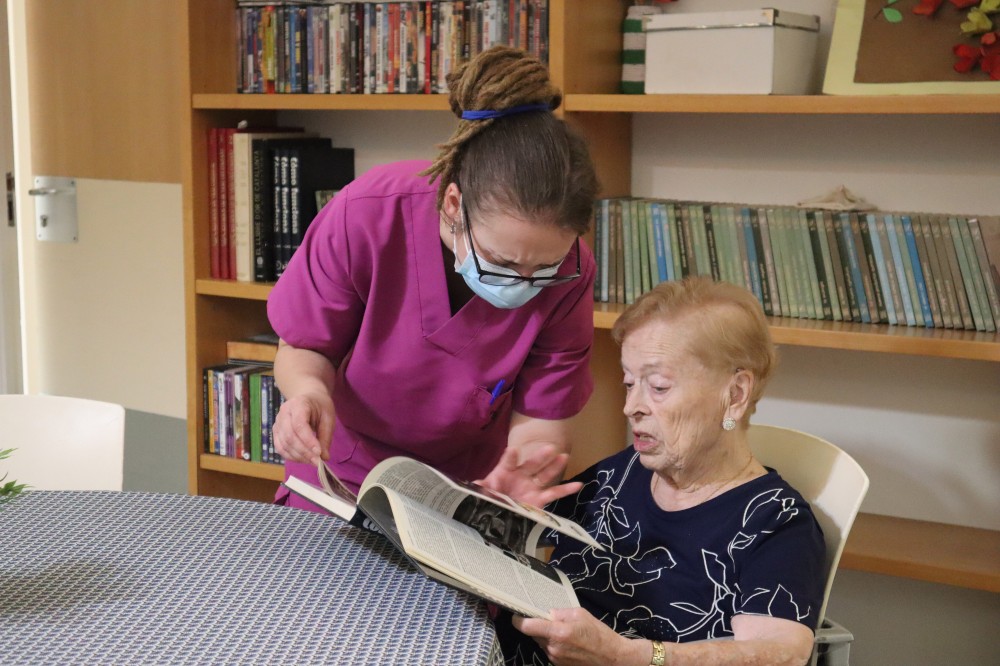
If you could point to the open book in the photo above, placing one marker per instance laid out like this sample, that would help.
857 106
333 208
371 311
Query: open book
458 533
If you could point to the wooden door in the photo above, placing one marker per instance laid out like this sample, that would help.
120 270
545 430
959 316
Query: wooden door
97 98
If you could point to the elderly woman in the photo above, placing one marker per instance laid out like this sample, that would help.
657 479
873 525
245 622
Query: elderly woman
703 542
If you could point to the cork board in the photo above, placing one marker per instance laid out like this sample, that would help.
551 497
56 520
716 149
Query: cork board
870 55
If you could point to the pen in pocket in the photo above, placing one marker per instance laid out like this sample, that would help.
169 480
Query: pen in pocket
496 390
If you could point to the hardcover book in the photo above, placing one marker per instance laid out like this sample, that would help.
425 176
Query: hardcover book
458 533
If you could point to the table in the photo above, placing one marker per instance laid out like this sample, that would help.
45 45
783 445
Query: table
139 578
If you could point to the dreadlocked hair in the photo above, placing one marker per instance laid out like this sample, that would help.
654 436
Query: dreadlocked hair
529 163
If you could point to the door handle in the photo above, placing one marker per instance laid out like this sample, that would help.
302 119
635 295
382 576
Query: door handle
44 191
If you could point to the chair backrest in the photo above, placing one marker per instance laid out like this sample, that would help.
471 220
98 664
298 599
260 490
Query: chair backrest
826 477
62 443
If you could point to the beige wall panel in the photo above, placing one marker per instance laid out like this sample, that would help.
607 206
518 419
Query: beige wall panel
113 111
108 311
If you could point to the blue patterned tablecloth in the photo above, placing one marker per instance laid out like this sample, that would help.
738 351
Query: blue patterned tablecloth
143 578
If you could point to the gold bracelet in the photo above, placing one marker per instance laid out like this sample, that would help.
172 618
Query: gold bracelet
658 654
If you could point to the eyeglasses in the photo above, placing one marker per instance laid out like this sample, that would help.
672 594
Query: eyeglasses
506 279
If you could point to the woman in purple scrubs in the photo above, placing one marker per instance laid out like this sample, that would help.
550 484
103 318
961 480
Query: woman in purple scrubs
448 322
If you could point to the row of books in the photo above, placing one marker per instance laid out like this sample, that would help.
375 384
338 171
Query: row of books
910 269
377 47
241 402
265 187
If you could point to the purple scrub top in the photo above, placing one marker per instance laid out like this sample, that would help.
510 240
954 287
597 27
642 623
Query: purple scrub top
367 289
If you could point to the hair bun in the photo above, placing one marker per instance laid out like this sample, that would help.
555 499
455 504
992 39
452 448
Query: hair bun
501 77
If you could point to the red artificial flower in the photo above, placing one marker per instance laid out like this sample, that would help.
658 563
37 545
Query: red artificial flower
990 62
963 4
968 58
928 7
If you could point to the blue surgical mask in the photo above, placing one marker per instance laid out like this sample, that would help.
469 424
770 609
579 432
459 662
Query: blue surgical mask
507 296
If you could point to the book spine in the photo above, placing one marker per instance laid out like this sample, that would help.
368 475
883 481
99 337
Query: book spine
939 271
793 260
703 262
827 265
958 282
724 256
657 225
688 263
206 409
770 268
711 247
262 221
256 422
730 218
813 297
760 263
752 262
214 238
673 224
904 270
860 301
891 291
629 274
824 280
669 248
893 294
833 242
742 220
640 230
975 277
618 252
979 237
864 267
223 205
242 224
870 223
599 259
918 274
933 299
869 260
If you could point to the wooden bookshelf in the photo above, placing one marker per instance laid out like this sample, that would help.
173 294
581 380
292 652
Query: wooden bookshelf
584 49
786 104
881 338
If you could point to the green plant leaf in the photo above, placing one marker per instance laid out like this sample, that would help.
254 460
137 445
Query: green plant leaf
892 15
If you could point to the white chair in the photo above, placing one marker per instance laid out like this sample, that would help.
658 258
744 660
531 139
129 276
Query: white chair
62 443
834 485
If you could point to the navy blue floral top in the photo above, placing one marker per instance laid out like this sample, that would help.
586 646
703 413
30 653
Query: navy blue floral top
682 575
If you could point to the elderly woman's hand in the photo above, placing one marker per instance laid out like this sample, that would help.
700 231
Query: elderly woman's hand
574 637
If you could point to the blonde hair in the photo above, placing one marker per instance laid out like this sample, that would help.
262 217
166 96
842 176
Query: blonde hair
728 329
529 163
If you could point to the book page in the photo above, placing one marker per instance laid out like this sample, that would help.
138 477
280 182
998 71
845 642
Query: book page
338 506
496 516
514 580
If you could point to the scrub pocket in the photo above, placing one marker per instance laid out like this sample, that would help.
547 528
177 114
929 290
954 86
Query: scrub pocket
483 411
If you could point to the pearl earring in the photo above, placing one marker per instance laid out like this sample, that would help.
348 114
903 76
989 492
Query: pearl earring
728 424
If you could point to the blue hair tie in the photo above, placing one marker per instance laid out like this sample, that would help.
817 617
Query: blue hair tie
486 115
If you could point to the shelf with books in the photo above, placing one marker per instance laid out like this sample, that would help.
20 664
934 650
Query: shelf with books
785 104
326 102
921 550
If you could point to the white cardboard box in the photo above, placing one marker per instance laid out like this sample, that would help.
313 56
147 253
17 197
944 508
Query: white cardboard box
760 51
